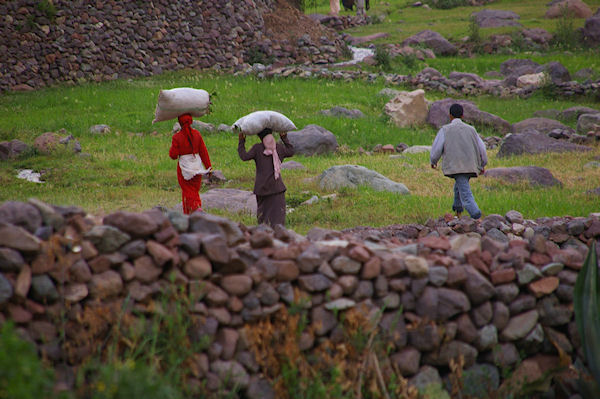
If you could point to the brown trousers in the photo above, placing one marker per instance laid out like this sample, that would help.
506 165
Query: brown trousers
271 209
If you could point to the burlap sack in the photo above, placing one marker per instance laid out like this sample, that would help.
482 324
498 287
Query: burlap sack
255 122
183 100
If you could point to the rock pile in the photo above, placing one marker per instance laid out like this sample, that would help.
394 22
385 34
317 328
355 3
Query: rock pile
113 39
498 291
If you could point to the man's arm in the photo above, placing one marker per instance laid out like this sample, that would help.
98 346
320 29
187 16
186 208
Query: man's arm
244 156
437 148
482 151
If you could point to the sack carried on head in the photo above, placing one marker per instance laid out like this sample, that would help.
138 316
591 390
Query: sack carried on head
256 122
183 100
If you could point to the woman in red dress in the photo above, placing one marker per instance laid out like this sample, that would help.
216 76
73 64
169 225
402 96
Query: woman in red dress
188 141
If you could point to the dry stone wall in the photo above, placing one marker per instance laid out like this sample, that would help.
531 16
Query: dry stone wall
71 41
498 292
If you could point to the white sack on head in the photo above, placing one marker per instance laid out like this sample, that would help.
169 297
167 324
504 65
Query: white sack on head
183 100
257 121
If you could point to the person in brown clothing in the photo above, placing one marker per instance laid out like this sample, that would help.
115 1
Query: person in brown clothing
268 185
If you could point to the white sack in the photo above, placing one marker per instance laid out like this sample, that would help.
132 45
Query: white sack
183 100
255 122
192 165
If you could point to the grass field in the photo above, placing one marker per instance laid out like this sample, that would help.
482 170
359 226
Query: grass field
129 168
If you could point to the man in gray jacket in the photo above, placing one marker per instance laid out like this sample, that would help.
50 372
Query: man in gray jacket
464 156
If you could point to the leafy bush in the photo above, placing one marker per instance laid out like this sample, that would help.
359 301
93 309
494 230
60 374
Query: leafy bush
566 36
47 8
586 301
22 374
128 380
382 58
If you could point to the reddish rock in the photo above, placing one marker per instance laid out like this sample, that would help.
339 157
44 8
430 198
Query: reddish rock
435 242
19 314
75 292
237 284
544 286
371 269
161 254
105 284
503 276
407 361
228 338
198 267
235 304
539 259
287 271
145 269
134 224
287 252
474 259
23 283
359 253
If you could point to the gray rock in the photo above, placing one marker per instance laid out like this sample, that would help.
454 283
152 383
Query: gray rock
231 200
438 275
573 113
231 373
534 175
518 66
534 142
477 287
519 326
10 260
343 112
107 238
137 225
588 122
201 222
313 140
21 214
6 289
426 376
179 220
18 238
591 30
353 176
434 41
43 289
450 303
497 235
439 116
407 361
481 379
507 292
260 388
12 149
556 71
292 165
495 18
100 129
340 304
314 282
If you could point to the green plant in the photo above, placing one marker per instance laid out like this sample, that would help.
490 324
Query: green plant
410 61
47 8
586 301
382 58
474 33
257 56
128 379
566 37
22 374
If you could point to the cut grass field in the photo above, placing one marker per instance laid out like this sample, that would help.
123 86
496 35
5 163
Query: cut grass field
129 168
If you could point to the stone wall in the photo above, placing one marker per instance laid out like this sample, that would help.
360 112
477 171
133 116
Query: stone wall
498 292
101 40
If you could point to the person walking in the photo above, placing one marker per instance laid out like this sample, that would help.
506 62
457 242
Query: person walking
268 185
464 157
188 147
360 8
334 7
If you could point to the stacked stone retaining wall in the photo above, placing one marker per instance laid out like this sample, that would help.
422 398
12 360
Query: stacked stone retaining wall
71 41
499 291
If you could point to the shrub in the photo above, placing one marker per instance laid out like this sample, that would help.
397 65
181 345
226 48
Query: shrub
22 374
127 380
566 36
382 58
47 8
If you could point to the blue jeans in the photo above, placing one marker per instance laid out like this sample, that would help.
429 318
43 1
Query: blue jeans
463 197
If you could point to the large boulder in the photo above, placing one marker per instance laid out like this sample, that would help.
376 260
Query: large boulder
230 199
556 71
495 18
518 65
542 125
591 30
573 113
588 122
537 35
46 142
407 108
573 8
439 115
12 149
313 140
534 175
532 142
21 214
354 176
434 41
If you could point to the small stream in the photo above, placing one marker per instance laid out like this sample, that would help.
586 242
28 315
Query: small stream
358 54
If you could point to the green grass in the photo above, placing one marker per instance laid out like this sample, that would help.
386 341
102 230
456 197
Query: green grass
129 168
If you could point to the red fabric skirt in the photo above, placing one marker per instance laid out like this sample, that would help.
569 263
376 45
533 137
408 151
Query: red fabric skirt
190 192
